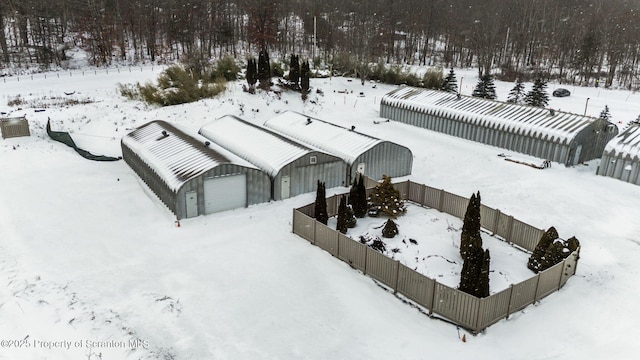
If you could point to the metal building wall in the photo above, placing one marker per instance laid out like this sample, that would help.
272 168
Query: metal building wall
304 176
616 165
385 158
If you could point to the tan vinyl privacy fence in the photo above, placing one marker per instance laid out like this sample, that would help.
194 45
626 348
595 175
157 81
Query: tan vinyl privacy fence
468 311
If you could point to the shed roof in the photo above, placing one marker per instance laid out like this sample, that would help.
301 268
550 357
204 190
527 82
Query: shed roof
175 156
343 142
534 121
258 145
628 142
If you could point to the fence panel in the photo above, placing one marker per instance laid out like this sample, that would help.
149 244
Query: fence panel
523 294
382 268
403 188
327 238
332 205
431 197
304 226
416 286
493 309
455 205
570 264
416 193
308 210
352 252
370 183
488 218
524 235
504 226
549 280
456 306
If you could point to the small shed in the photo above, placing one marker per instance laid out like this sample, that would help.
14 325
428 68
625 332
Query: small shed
294 168
14 127
191 176
544 133
621 157
363 153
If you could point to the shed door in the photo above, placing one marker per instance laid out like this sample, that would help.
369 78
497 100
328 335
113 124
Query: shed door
285 187
192 203
578 152
225 193
361 167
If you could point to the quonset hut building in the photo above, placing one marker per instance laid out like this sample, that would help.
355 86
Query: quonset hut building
552 135
294 168
621 157
190 176
363 153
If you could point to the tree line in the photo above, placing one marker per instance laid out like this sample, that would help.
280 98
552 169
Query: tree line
588 42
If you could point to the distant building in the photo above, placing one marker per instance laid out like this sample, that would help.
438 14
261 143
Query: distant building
191 176
621 157
547 134
14 127
363 154
294 168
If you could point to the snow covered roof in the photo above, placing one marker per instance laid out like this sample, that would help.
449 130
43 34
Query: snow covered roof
258 145
534 121
628 142
175 156
343 142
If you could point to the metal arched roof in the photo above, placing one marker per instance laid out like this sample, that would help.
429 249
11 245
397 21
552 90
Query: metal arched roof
627 143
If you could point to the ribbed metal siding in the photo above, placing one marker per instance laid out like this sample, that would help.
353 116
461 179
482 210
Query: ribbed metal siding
14 127
304 175
384 159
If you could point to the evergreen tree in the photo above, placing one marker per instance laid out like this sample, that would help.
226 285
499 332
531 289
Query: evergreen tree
517 94
320 209
482 289
294 70
450 84
252 73
538 95
304 78
605 114
390 229
358 197
342 215
485 88
386 199
536 259
350 218
264 70
471 268
470 237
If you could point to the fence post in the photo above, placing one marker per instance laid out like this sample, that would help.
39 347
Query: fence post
313 238
564 264
338 245
293 226
423 194
395 286
441 201
496 222
433 297
480 309
509 305
510 230
366 251
535 294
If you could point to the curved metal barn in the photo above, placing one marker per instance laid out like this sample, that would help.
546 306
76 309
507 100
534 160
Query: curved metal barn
189 176
363 153
294 168
621 157
544 133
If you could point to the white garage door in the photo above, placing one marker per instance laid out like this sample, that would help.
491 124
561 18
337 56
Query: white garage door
225 193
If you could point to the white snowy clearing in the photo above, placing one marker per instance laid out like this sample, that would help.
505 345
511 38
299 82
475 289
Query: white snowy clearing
92 263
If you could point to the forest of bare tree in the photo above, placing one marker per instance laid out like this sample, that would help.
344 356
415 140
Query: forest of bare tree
590 42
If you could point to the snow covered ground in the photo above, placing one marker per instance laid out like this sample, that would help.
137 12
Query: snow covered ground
92 261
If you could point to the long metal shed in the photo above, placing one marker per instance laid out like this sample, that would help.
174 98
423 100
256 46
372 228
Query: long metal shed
363 153
552 135
294 168
621 157
191 176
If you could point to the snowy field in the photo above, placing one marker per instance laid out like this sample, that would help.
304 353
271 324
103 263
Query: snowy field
92 263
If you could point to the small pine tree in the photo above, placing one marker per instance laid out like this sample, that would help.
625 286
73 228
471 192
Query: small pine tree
536 259
517 94
294 70
264 70
390 229
605 114
320 208
470 237
252 73
350 218
538 95
304 78
450 84
485 88
359 202
342 215
386 199
470 273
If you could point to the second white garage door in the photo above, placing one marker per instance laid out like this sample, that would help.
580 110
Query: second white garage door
225 193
